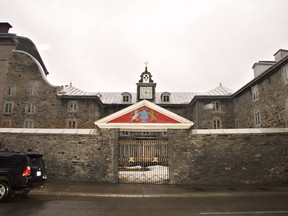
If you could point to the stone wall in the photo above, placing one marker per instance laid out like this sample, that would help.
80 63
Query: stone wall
69 154
198 157
228 157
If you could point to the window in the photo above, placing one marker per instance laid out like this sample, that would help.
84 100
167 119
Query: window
29 123
235 104
30 107
124 133
257 118
72 106
32 90
216 124
11 90
8 107
285 74
126 97
255 93
165 97
145 133
216 106
72 123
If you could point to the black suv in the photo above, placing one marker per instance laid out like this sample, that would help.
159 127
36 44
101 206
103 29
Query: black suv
20 172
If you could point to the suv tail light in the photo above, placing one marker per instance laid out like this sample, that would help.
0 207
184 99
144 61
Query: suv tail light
27 171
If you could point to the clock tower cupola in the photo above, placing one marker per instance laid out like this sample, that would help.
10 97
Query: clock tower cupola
146 86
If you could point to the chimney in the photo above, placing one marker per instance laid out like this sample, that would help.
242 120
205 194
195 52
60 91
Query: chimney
261 66
4 27
281 53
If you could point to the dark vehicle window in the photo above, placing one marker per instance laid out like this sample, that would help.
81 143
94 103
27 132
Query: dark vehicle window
11 160
37 162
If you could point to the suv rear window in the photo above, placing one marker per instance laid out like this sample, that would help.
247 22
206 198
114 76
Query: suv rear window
12 160
36 161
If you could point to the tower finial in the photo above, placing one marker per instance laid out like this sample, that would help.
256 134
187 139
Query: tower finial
146 63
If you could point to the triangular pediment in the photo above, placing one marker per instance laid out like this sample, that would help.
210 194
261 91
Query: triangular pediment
144 115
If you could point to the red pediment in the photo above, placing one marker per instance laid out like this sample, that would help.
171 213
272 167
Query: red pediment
144 115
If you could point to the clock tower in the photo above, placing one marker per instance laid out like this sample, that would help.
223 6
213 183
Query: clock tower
146 86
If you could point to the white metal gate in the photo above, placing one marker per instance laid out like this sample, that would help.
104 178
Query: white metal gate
143 161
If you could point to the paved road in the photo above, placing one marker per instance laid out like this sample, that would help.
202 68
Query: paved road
35 205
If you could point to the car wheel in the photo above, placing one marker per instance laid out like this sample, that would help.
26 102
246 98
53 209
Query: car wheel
4 190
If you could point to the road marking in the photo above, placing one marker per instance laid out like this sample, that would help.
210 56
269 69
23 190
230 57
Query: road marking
243 213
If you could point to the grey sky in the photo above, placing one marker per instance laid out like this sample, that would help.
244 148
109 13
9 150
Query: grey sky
191 45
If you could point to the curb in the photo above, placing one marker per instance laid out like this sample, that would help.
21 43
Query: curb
183 195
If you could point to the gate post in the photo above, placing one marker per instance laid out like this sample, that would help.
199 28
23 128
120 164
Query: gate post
109 147
176 138
115 150
171 146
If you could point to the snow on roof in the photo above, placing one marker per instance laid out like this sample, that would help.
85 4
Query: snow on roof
116 97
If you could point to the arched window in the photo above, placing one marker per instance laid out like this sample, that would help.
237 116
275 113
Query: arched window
166 97
126 97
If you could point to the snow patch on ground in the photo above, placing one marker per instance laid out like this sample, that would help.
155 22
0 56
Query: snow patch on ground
155 174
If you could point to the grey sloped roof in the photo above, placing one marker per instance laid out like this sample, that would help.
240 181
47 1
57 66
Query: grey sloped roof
220 90
116 97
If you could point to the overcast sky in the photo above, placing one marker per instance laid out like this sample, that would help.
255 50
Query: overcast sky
191 45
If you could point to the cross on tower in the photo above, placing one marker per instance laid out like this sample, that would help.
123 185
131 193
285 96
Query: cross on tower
146 63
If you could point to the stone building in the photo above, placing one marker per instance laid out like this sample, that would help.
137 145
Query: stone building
28 100
96 136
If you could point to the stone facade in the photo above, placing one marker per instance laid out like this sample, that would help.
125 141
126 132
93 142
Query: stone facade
204 115
271 101
35 100
41 104
7 44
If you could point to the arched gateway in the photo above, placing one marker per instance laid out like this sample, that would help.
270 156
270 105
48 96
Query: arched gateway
143 141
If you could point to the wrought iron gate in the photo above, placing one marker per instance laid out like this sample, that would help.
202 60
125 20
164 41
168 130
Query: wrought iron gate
143 161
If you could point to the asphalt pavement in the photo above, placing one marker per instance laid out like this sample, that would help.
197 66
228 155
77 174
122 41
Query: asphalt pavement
91 189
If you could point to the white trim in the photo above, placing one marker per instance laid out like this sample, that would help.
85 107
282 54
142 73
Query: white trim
94 131
39 67
145 126
183 122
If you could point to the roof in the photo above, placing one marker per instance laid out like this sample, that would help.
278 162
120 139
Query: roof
275 67
116 97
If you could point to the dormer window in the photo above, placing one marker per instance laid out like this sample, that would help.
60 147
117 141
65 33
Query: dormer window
126 97
165 97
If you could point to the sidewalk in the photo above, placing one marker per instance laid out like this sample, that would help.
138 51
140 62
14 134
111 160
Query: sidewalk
90 189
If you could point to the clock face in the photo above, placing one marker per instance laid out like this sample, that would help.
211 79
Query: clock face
146 93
